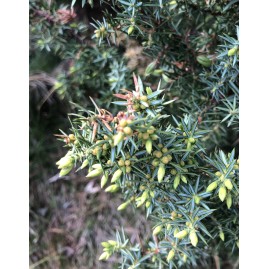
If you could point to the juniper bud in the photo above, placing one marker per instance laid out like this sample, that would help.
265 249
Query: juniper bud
105 244
232 51
229 200
228 184
112 243
221 235
184 179
176 231
222 193
193 237
65 162
95 173
157 72
170 255
104 256
102 29
161 173
181 234
154 137
130 29
112 188
148 90
97 33
145 194
148 203
139 202
149 146
176 181
212 186
116 175
151 193
173 2
157 230
118 138
65 171
97 166
237 243
84 164
124 205
104 180
197 199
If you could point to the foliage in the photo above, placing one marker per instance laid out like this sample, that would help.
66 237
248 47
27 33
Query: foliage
162 166
173 148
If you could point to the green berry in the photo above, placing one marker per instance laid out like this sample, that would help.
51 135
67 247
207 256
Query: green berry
127 130
145 136
164 150
158 154
121 162
123 123
128 169
165 160
127 162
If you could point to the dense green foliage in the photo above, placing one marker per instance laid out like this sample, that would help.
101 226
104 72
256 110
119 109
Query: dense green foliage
170 144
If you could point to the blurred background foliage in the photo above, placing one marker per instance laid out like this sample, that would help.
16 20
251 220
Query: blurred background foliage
185 44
